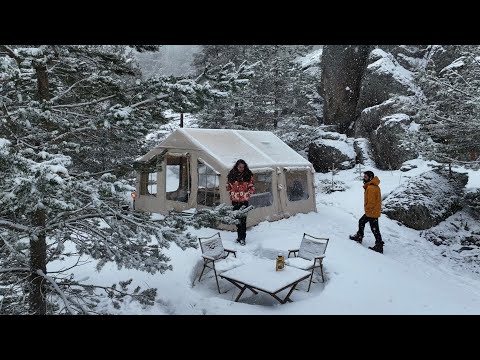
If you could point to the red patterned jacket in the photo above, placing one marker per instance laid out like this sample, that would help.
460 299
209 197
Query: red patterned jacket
240 186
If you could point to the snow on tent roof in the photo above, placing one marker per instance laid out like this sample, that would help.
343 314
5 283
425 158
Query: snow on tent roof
257 148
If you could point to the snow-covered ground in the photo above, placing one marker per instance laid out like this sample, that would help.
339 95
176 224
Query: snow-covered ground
412 276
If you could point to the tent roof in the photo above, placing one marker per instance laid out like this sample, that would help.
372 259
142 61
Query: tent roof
257 148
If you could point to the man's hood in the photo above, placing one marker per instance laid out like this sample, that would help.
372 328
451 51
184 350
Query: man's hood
375 181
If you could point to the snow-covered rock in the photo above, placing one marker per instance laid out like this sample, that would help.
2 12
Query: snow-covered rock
322 153
390 142
426 200
383 78
370 118
411 57
440 56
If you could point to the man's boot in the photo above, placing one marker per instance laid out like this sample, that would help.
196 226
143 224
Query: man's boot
378 247
357 237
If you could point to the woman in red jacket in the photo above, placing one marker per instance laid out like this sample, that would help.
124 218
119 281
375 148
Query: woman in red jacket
240 186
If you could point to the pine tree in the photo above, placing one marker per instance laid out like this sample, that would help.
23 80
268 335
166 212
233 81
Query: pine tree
274 93
73 119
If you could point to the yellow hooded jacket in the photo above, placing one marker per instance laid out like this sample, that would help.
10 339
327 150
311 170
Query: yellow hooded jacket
372 198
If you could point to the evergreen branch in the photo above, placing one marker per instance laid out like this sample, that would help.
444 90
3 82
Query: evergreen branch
108 289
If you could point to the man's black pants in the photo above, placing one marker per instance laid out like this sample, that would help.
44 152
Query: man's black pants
373 225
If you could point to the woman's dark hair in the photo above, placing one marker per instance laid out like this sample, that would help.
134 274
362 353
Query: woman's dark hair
233 174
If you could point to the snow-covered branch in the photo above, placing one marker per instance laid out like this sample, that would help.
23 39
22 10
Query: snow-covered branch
10 53
450 86
18 269
57 289
13 226
148 101
85 103
68 90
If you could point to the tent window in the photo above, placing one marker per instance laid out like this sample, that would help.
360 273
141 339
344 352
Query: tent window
148 183
177 184
263 195
208 193
297 188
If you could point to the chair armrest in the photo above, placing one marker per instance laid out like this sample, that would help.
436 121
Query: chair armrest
208 257
294 251
319 258
230 251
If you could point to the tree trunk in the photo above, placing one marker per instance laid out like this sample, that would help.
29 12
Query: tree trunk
181 120
42 82
38 245
38 258
275 115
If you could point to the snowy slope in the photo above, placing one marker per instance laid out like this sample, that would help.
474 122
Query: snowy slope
411 277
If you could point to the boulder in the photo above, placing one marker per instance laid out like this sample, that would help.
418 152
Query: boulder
390 143
342 70
426 200
439 56
383 78
370 118
322 153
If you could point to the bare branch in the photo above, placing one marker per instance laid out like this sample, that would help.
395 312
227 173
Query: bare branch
451 87
66 91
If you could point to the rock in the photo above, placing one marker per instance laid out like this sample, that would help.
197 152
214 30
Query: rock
408 167
411 57
361 151
370 118
426 200
322 153
342 71
439 56
383 78
390 142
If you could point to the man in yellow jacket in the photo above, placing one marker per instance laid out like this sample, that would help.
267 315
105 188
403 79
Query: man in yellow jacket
372 204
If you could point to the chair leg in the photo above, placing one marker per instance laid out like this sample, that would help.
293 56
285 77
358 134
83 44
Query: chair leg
321 269
204 266
216 278
311 277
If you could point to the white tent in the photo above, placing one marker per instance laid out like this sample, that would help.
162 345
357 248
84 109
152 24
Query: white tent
189 170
